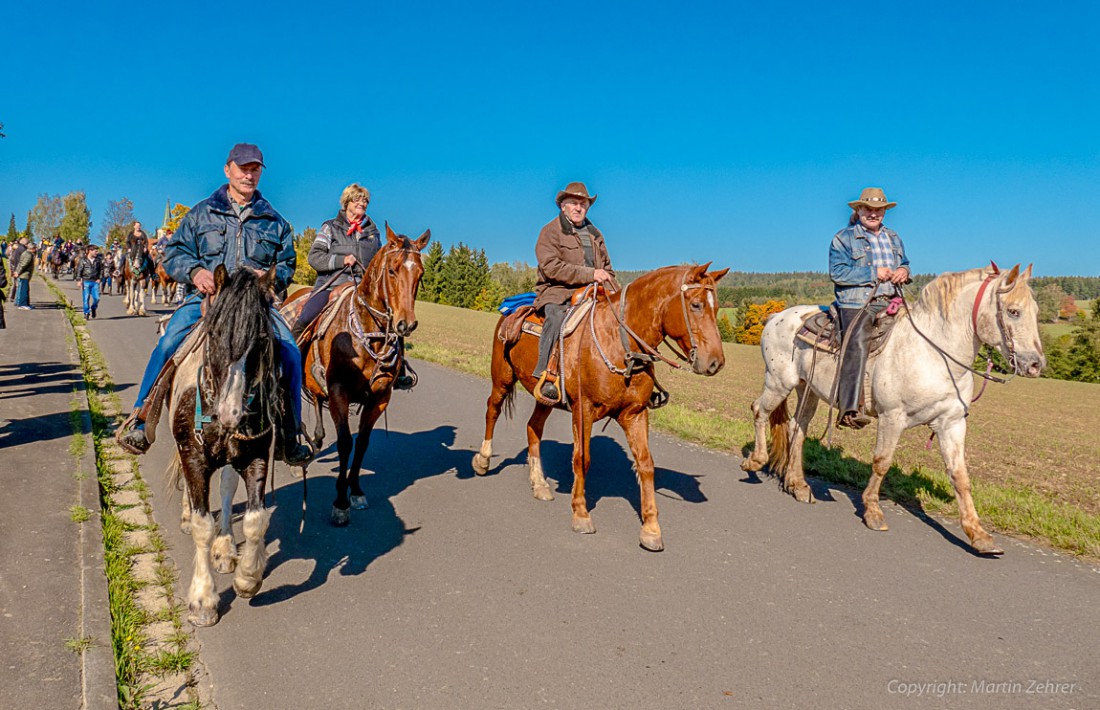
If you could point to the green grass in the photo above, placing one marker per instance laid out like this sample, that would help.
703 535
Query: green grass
79 514
79 644
1031 445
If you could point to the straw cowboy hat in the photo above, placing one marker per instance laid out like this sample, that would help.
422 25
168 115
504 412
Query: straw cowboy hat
872 197
578 190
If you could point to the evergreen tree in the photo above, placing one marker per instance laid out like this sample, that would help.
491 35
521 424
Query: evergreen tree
429 282
28 230
464 275
13 233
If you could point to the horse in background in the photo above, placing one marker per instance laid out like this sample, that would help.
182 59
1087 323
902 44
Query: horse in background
224 403
920 376
356 359
673 302
137 280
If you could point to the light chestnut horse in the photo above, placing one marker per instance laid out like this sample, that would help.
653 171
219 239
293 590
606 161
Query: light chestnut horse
674 302
921 376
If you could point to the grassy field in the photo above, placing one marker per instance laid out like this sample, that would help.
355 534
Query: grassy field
1032 447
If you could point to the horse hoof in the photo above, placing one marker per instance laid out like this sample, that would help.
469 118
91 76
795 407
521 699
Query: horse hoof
340 516
543 493
652 542
802 493
751 465
223 564
249 591
875 521
584 526
481 464
985 546
358 502
202 617
185 527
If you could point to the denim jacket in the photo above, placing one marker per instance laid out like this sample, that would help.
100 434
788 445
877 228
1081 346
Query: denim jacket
212 234
850 264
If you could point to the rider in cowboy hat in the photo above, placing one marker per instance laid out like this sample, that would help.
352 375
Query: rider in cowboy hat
867 264
571 253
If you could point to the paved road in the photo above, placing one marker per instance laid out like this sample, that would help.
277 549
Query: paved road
454 591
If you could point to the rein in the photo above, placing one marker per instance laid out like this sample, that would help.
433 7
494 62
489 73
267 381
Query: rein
201 419
389 355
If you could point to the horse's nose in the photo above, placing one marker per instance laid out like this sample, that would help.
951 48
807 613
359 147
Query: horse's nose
715 366
404 328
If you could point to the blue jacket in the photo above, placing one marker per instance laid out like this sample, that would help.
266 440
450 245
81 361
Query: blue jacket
850 264
211 234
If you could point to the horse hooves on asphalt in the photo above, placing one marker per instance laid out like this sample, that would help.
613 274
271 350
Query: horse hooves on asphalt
875 521
543 493
653 543
358 502
584 526
481 464
986 547
340 517
202 617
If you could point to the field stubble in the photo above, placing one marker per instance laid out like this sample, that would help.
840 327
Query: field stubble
1031 445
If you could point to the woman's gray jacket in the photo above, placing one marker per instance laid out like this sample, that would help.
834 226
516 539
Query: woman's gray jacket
333 243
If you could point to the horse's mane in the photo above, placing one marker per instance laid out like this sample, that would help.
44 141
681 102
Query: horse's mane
939 295
238 319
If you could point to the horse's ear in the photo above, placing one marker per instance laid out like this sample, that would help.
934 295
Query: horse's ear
267 281
220 276
391 236
1026 273
717 275
1010 277
423 240
993 265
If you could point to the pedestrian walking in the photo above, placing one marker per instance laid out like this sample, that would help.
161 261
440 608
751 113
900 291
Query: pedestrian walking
90 272
23 272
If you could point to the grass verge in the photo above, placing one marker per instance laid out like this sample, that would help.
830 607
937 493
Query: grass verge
143 651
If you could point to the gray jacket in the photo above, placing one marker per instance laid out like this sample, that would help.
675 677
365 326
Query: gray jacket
333 243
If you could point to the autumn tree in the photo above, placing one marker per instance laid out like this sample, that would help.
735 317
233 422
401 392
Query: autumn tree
303 272
45 216
76 223
752 325
725 329
117 221
179 212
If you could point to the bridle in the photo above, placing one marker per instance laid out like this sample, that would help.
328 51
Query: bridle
632 359
388 354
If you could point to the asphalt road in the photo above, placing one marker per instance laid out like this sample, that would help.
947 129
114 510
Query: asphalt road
456 591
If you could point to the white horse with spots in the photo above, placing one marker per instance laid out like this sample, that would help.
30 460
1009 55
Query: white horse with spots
921 376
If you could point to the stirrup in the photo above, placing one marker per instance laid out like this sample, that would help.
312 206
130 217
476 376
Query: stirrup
853 420
546 379
658 399
131 435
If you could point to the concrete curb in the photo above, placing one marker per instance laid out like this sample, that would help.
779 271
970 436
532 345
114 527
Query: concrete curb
100 689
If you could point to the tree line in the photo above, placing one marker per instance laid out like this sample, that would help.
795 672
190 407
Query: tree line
68 217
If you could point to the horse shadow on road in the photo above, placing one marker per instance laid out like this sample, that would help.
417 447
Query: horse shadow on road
398 460
829 471
31 379
611 474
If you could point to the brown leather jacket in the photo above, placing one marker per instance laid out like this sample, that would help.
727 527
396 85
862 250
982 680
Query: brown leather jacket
561 261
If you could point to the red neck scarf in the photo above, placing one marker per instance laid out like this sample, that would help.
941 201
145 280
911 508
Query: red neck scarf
356 227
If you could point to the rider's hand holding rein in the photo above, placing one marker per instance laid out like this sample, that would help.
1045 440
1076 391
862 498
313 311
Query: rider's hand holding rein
203 279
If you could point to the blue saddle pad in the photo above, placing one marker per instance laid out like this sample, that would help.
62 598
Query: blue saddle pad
513 302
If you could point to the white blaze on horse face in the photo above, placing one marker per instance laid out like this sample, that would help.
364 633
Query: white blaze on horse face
410 264
230 406
710 299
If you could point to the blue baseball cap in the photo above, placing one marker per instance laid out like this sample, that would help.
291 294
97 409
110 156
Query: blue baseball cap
244 153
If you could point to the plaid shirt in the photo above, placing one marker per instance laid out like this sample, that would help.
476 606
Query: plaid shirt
881 255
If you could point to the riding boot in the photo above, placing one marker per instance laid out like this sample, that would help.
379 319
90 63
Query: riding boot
131 435
856 328
289 444
547 387
406 377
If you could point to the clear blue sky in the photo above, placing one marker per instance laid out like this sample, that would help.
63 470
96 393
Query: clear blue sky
727 131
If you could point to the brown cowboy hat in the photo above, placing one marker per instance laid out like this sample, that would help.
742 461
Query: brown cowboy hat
872 197
576 189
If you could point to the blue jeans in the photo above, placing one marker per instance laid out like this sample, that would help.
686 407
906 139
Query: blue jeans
91 296
181 324
22 292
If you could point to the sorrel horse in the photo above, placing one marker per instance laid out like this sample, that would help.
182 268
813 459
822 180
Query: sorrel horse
674 302
360 355
225 398
921 376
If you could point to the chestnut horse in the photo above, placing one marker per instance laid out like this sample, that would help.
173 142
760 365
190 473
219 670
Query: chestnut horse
360 355
921 376
677 302
224 401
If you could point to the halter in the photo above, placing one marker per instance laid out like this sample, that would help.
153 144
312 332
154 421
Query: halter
390 353
201 419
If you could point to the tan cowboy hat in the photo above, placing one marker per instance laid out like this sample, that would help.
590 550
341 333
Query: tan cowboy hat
872 197
576 189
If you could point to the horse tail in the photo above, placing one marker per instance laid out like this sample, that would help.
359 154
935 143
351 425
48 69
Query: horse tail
781 439
172 474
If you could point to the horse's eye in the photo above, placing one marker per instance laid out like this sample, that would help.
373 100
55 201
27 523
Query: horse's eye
697 307
1014 312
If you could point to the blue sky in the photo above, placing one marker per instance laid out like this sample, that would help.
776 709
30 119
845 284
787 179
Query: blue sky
728 132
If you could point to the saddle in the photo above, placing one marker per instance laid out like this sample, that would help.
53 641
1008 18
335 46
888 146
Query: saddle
162 386
819 329
526 319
